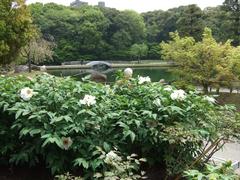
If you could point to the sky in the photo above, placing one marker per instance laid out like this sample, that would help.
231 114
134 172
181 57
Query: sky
141 5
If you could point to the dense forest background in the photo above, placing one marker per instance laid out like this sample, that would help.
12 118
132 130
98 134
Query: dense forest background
101 33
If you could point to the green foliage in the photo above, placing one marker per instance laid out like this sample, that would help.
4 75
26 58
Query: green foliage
233 8
223 172
235 63
190 22
218 20
160 23
37 51
55 125
138 51
16 30
93 33
117 167
78 32
206 62
89 33
154 51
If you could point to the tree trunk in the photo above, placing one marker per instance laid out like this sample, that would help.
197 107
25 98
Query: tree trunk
29 65
205 88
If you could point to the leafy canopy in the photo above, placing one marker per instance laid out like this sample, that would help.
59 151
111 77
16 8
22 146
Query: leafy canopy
203 62
16 29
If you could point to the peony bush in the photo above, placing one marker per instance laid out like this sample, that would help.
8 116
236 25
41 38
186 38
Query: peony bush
63 123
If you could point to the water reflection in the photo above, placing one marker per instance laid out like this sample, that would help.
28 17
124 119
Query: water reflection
154 73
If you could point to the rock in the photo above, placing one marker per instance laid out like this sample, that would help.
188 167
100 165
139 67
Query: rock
21 68
162 81
99 65
98 77
24 68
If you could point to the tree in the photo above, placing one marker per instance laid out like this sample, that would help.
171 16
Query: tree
154 51
37 51
217 19
160 23
204 62
233 7
89 30
16 29
78 32
138 51
234 66
190 22
130 29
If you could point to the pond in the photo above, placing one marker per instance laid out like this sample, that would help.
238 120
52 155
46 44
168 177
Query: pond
155 74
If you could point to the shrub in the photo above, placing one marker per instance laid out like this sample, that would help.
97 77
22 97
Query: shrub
63 122
118 167
220 172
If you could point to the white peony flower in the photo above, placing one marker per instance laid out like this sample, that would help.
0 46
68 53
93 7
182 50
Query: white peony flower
157 102
111 157
88 100
26 94
168 88
178 95
210 99
128 72
142 80
67 142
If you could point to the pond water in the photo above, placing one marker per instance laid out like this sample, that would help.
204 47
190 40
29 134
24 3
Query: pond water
154 73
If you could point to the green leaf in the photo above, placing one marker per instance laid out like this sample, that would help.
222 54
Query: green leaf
96 163
24 131
91 113
121 124
81 112
138 123
176 109
81 161
46 136
68 119
26 113
132 135
52 140
106 147
154 116
57 119
33 116
18 114
129 133
35 131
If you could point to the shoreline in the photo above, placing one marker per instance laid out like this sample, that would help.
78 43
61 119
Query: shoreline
124 65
